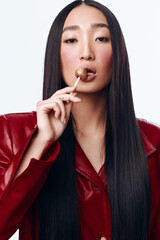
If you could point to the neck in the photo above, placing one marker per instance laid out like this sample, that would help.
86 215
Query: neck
89 116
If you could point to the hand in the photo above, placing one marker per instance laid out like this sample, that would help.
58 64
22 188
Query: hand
53 113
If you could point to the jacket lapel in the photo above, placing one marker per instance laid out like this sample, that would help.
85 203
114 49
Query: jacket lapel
85 168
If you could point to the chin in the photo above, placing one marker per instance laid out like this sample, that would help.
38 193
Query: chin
91 89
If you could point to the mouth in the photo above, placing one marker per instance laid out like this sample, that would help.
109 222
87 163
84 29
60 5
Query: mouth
91 74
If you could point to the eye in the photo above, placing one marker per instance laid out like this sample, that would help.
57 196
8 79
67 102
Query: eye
71 40
102 39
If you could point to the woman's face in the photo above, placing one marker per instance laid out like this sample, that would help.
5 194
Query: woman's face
86 43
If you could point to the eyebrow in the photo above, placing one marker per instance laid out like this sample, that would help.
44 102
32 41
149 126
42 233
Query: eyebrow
94 25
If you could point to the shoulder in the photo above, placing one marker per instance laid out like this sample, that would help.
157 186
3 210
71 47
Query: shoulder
15 128
151 130
150 133
19 120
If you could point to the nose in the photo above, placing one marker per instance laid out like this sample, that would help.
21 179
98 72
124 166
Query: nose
86 52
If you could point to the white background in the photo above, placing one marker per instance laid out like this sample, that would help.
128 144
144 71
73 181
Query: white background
24 26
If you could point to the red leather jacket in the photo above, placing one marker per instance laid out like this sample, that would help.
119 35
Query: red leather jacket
16 197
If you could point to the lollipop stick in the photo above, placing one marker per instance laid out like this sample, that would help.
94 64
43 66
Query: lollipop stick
75 85
78 78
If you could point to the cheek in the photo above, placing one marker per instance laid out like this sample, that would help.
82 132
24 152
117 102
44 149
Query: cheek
106 59
67 58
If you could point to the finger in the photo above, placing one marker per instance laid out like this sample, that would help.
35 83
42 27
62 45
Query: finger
68 97
68 109
62 109
58 106
57 110
65 90
63 96
48 106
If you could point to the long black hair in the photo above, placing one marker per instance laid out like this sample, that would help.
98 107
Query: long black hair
126 165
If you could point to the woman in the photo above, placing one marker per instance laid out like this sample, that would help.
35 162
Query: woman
78 168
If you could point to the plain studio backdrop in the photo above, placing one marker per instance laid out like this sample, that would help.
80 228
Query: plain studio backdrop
24 27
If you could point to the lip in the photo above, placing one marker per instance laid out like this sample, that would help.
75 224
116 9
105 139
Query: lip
91 73
90 77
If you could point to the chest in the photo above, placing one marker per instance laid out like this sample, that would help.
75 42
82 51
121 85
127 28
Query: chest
94 149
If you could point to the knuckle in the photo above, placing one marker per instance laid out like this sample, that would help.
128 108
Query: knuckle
57 92
39 104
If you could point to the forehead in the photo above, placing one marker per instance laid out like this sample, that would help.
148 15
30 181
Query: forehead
85 15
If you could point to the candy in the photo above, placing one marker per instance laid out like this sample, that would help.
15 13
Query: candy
81 72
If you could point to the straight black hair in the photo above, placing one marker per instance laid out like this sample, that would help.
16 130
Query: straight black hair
126 166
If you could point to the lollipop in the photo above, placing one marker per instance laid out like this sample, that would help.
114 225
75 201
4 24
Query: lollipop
81 73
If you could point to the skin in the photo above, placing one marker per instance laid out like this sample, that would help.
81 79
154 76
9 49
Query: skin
91 48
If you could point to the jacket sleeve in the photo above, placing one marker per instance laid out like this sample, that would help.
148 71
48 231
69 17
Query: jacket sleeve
151 141
153 134
17 196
